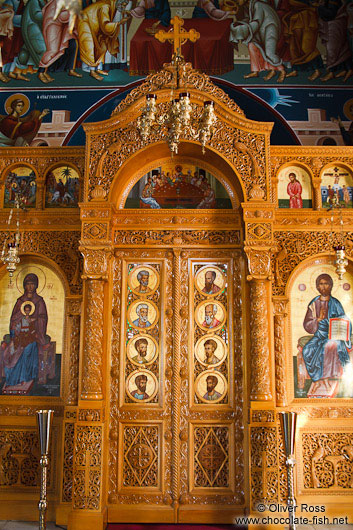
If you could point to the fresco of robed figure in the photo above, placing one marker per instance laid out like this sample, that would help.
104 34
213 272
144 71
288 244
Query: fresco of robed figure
323 367
28 361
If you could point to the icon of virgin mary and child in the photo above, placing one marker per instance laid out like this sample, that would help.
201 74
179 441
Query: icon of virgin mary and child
27 338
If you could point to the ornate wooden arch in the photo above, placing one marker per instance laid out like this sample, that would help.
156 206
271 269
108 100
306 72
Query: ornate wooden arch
242 145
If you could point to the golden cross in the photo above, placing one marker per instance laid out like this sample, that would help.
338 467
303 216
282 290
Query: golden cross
178 35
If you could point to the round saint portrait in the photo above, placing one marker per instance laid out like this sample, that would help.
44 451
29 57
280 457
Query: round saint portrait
211 386
210 315
210 350
210 280
143 280
142 314
142 350
141 385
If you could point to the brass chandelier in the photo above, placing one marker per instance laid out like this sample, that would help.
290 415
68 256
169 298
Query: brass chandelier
178 121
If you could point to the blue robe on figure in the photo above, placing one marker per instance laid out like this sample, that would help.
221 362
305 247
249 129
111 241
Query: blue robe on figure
160 11
320 345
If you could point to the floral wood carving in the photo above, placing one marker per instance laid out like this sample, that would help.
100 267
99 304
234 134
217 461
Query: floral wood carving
189 78
177 237
58 246
280 306
96 262
259 360
87 468
19 459
93 342
328 461
264 467
69 431
259 262
260 416
74 349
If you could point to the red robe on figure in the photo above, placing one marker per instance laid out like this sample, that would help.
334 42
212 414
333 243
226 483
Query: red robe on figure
294 190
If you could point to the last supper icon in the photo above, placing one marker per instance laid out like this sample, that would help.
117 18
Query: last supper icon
142 350
141 385
209 280
143 280
210 386
210 315
142 314
210 350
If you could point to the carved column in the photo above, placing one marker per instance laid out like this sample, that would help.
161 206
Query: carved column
317 199
40 199
88 492
73 324
258 217
96 269
260 389
176 378
280 313
92 365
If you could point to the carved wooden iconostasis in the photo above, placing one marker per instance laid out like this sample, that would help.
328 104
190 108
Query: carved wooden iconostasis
182 333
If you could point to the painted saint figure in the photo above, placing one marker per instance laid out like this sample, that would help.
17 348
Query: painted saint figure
142 320
212 394
210 347
210 286
140 391
27 335
146 195
294 190
345 194
98 29
17 131
210 316
324 359
143 278
141 348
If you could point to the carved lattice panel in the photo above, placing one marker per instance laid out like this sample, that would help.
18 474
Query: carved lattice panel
211 463
327 461
141 449
264 465
67 480
19 459
87 463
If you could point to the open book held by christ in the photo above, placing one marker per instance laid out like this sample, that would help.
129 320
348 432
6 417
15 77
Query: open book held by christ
339 329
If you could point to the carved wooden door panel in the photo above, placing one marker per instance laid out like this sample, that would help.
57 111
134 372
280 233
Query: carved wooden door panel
175 404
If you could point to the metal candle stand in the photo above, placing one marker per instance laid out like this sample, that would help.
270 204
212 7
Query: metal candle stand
44 419
288 425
